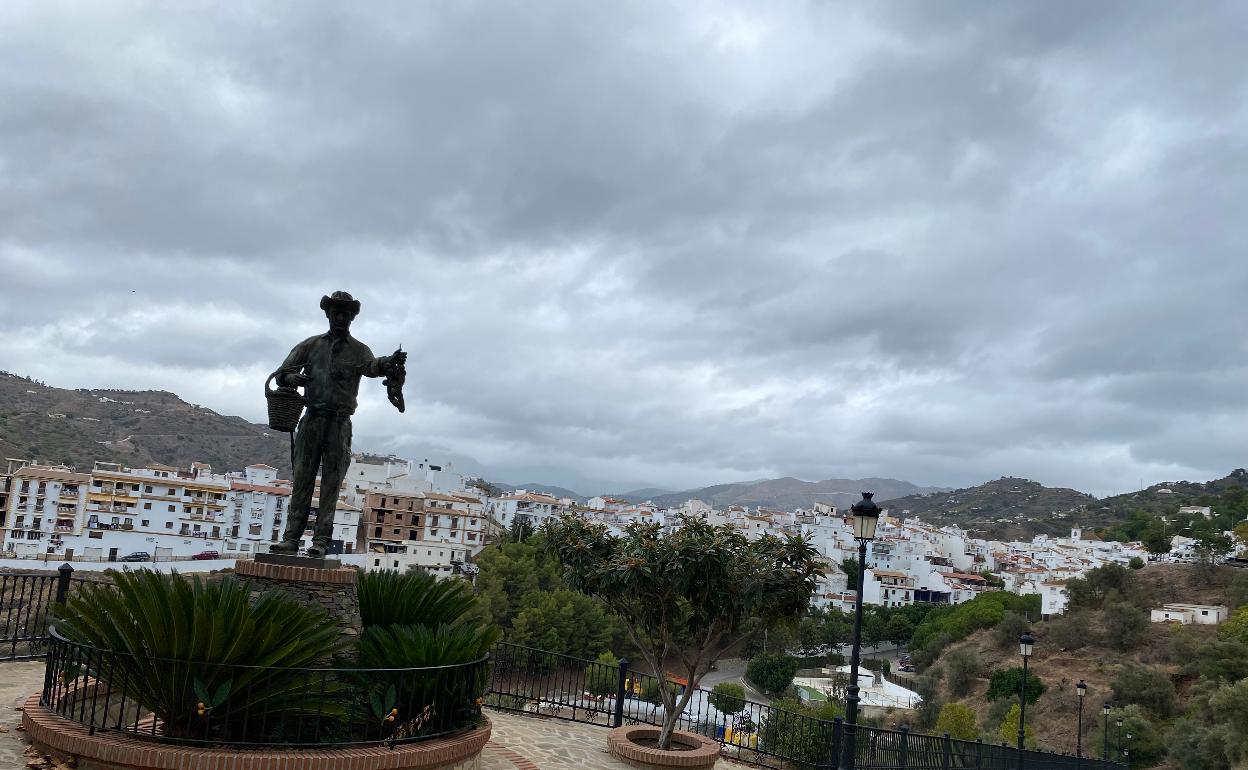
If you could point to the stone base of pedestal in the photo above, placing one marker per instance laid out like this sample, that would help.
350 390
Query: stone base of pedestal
313 583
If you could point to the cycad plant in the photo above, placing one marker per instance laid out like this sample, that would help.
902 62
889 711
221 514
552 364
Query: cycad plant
391 598
204 658
415 621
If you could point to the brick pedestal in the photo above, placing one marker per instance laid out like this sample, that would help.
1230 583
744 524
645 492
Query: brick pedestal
329 586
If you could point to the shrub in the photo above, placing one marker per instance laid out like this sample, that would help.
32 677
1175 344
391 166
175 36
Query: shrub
1219 660
1005 684
984 611
957 720
771 673
1009 728
391 598
650 692
1069 632
790 730
1136 563
602 676
181 639
1147 686
728 697
1125 625
962 666
1005 634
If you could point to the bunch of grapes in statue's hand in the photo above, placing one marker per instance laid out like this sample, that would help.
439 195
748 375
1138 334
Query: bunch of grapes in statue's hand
396 374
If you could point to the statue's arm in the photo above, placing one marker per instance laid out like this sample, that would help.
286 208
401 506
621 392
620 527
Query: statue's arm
292 368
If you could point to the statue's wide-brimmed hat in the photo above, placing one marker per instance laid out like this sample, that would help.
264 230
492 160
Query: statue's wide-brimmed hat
341 299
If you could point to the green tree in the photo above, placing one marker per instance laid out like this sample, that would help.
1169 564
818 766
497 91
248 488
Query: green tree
1219 660
927 687
810 635
1147 744
838 629
1147 686
1155 539
564 622
602 676
1070 631
1125 624
728 697
771 673
1239 589
899 630
850 568
1098 585
521 528
1236 627
962 667
685 594
959 721
1009 729
1136 563
1006 682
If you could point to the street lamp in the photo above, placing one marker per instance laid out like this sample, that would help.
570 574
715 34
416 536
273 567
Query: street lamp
1118 737
1025 644
1126 754
866 517
1081 690
1105 732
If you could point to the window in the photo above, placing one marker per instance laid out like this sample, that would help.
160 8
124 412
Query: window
396 532
254 529
472 535
95 535
171 509
147 506
377 532
245 547
173 491
147 489
135 487
168 525
376 562
411 535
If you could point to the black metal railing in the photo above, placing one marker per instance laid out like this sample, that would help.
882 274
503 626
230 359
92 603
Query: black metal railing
210 704
24 602
563 687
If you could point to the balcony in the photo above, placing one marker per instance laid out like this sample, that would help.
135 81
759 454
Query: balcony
64 528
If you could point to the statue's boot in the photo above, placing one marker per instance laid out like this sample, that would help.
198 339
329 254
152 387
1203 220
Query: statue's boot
319 546
286 546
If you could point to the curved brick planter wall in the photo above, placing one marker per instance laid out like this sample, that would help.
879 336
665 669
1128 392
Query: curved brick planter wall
103 751
621 744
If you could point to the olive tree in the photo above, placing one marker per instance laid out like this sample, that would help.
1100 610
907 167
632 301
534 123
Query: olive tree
685 595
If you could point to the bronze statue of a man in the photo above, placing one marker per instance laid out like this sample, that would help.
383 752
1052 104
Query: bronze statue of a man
329 367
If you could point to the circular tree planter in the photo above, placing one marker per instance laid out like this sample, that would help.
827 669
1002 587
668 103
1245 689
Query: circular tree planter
635 745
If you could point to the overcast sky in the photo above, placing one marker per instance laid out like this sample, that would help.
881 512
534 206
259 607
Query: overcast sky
655 243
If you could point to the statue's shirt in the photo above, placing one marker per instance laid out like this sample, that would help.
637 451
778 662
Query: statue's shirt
335 365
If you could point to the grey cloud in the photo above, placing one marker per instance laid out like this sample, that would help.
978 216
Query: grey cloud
653 243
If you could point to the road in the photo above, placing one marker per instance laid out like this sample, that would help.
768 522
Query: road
733 670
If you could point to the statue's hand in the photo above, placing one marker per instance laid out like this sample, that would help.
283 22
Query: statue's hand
295 379
398 358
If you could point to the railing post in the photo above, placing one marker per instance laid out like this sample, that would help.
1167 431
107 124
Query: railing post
64 572
619 693
838 729
903 754
946 752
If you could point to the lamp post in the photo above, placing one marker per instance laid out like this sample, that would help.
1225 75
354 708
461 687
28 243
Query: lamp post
1081 690
1118 736
1126 754
1025 644
866 516
1105 732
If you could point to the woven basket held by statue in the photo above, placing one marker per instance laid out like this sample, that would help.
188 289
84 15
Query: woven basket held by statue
285 405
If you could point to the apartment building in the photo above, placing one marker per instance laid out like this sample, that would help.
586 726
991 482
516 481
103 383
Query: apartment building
43 507
538 507
430 530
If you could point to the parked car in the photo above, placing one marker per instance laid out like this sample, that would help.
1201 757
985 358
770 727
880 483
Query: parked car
207 555
907 667
137 556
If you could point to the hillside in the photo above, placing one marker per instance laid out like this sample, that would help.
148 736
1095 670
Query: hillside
78 427
1008 508
1167 496
788 493
1167 647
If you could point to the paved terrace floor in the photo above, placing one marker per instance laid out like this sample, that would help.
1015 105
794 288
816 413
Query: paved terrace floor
518 742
